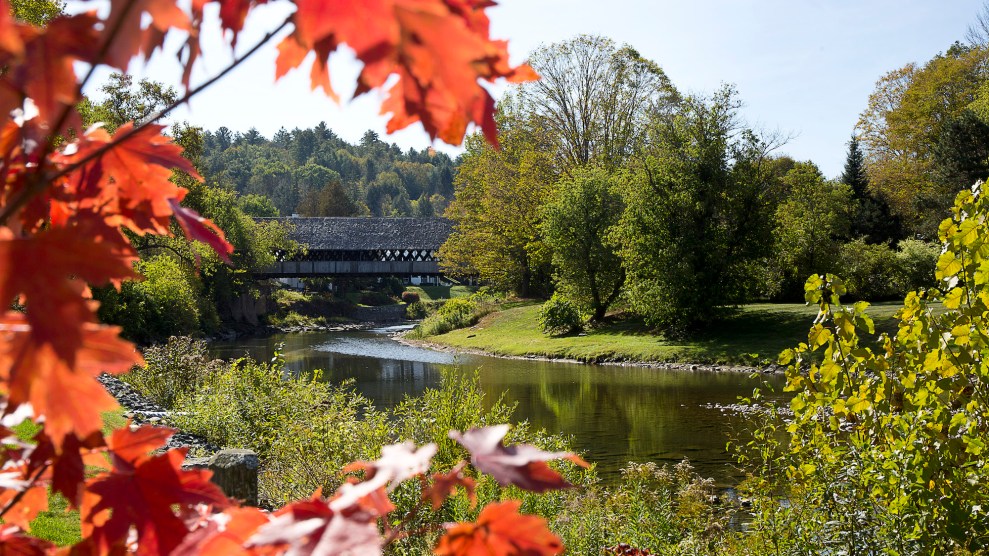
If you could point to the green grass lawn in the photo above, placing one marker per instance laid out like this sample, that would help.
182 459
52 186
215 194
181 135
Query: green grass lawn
755 335
437 293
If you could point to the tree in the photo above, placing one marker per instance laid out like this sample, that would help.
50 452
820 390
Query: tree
810 226
961 153
854 175
496 234
125 103
330 200
907 115
871 217
37 12
576 224
257 206
64 209
697 215
594 99
978 31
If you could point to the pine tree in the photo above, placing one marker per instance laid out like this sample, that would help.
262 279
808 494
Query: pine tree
871 217
854 175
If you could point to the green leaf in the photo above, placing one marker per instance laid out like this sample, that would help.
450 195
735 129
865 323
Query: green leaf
947 266
954 298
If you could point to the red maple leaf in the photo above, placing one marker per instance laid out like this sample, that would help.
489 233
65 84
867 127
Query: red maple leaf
140 492
127 37
45 73
64 391
500 531
130 182
201 229
521 465
446 484
440 49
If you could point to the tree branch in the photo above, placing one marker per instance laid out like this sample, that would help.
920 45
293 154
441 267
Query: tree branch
37 187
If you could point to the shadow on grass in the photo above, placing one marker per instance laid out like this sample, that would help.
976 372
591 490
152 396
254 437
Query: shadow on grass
764 331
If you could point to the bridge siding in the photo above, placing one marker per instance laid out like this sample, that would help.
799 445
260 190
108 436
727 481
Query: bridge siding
372 241
352 268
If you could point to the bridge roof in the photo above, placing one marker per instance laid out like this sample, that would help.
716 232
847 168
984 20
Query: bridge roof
365 234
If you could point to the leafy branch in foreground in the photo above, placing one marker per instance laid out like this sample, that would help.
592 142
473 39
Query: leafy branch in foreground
886 450
68 208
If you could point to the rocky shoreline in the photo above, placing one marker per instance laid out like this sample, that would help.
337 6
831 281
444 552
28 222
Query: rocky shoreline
267 330
143 411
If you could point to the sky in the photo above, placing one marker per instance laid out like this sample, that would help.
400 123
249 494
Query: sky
802 68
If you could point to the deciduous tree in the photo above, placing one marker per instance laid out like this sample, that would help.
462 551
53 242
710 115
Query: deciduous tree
697 216
495 210
577 223
594 99
907 115
810 226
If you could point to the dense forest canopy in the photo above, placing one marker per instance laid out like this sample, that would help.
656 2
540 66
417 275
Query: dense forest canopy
313 172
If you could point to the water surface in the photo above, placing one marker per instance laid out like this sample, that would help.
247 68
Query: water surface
615 414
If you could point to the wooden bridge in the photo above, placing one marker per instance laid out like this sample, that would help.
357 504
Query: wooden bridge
403 247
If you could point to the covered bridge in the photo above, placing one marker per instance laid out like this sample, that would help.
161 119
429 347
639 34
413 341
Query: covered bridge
363 247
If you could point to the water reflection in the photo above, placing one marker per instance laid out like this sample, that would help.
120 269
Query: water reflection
615 414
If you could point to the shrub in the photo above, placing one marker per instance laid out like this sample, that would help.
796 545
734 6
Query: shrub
172 370
459 312
163 304
375 299
884 448
870 271
393 286
292 319
915 264
559 316
410 297
302 429
415 311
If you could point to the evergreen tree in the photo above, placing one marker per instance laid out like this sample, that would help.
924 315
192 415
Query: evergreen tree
854 175
872 218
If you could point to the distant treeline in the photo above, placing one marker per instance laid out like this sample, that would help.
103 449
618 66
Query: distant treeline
313 172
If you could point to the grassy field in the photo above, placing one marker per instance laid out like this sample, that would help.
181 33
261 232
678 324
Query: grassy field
754 336
436 293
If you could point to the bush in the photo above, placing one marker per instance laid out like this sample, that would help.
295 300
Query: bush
375 299
560 316
410 297
415 311
172 370
915 263
884 447
459 312
164 304
393 286
870 271
303 430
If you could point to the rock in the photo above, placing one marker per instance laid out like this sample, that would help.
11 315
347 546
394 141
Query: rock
236 472
195 463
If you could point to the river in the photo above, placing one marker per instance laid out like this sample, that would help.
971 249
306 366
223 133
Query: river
615 414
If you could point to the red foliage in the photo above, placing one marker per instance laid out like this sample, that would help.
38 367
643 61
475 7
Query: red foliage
501 531
140 491
64 208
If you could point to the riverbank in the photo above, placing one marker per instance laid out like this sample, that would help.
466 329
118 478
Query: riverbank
749 341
